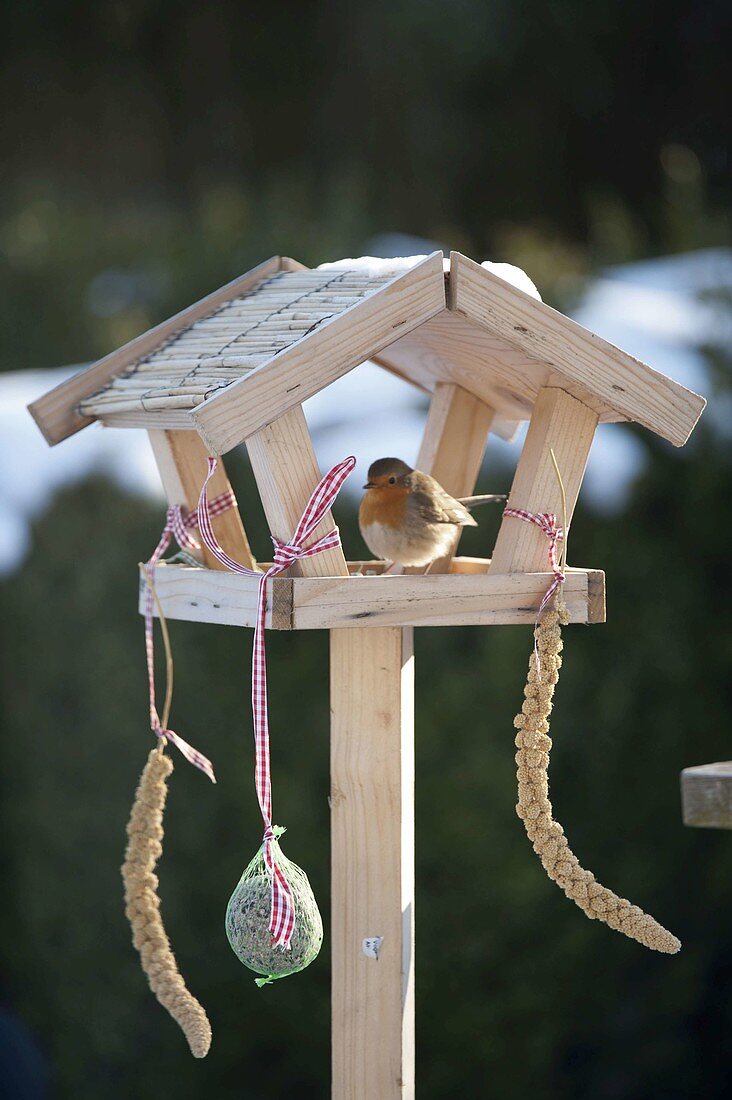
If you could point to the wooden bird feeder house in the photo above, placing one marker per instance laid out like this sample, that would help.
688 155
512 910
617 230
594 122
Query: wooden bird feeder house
236 368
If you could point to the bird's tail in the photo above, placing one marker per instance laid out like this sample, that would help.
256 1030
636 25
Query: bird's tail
490 498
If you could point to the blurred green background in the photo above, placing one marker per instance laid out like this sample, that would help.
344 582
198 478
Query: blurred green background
180 144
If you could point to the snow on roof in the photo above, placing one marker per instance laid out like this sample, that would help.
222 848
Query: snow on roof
374 267
378 267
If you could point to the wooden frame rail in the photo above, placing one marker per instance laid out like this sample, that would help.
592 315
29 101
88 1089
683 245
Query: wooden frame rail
467 598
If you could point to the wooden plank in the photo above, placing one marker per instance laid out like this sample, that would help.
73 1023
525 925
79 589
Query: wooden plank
470 565
372 863
596 596
178 420
454 439
432 600
56 413
310 603
450 348
560 422
633 389
208 596
378 565
453 446
706 796
288 264
286 470
182 461
330 351
505 429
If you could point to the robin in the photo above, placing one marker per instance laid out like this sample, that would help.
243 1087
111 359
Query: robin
407 517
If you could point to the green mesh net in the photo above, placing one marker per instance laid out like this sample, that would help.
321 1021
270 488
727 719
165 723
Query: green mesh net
248 913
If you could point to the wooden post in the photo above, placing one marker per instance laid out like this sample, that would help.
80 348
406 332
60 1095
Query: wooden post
286 470
706 795
561 422
372 799
453 446
182 461
372 863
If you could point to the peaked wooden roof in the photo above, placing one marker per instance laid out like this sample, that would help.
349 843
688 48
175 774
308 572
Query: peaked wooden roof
246 354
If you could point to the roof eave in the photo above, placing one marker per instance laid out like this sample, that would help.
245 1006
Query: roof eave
57 412
631 388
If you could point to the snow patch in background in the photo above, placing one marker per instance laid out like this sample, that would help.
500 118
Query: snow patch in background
664 312
35 472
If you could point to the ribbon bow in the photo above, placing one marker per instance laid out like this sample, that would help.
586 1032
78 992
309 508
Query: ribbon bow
282 912
178 522
546 522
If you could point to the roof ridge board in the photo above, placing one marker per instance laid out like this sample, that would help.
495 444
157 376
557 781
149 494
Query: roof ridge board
56 412
631 388
323 355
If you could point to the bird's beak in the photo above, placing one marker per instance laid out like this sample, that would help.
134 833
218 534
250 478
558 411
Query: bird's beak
369 485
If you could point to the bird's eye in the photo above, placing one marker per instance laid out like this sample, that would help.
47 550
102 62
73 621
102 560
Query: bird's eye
392 481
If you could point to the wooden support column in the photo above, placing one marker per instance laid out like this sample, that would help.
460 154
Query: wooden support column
372 863
181 458
561 422
286 469
453 446
372 798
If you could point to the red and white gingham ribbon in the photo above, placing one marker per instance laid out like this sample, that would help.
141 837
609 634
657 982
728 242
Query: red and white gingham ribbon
181 521
282 913
178 522
546 522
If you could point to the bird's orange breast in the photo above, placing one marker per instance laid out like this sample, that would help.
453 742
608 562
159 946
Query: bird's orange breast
385 506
